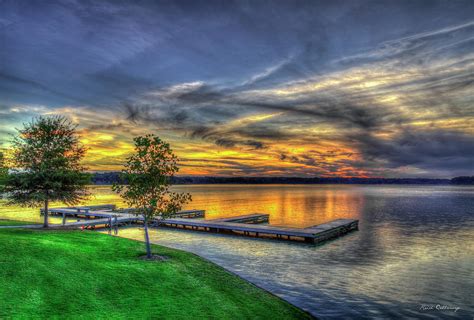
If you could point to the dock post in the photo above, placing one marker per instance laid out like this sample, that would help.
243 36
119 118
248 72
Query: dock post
110 225
64 218
116 225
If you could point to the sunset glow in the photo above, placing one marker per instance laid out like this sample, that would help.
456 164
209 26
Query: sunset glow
235 100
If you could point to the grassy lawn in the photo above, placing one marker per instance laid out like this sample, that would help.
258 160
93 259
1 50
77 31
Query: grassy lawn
14 223
87 275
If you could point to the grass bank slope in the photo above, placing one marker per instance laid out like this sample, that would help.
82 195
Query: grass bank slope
87 275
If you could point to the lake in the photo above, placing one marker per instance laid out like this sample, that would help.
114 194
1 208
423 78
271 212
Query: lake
412 257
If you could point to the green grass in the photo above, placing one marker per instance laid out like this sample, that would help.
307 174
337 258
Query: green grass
87 275
14 223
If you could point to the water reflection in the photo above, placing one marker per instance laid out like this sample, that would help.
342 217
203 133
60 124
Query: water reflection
295 206
414 246
99 195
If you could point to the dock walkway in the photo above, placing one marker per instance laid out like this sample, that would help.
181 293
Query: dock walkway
252 225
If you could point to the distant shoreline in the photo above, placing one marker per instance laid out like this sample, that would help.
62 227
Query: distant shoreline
108 178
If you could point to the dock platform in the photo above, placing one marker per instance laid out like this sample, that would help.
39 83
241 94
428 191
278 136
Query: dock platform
314 234
251 225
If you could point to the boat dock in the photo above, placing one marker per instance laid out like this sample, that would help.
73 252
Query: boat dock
312 234
251 225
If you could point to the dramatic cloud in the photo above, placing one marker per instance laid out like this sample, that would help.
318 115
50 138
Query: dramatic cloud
304 88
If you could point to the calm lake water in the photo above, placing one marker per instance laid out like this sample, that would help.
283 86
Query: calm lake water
414 249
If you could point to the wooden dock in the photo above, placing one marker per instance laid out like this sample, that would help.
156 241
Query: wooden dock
314 234
251 225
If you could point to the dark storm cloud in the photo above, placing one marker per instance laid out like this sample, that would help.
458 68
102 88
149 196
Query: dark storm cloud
231 143
431 150
330 107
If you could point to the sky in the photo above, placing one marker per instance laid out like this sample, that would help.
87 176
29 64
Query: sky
250 88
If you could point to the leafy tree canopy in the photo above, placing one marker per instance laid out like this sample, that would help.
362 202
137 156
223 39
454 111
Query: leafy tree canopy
147 175
146 179
46 164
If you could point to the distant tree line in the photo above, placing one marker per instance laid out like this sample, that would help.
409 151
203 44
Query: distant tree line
463 180
105 178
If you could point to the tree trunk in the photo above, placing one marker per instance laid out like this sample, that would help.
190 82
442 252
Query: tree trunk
46 222
147 238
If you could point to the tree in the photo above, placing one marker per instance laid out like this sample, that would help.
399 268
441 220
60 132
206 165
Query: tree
147 174
3 169
47 166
